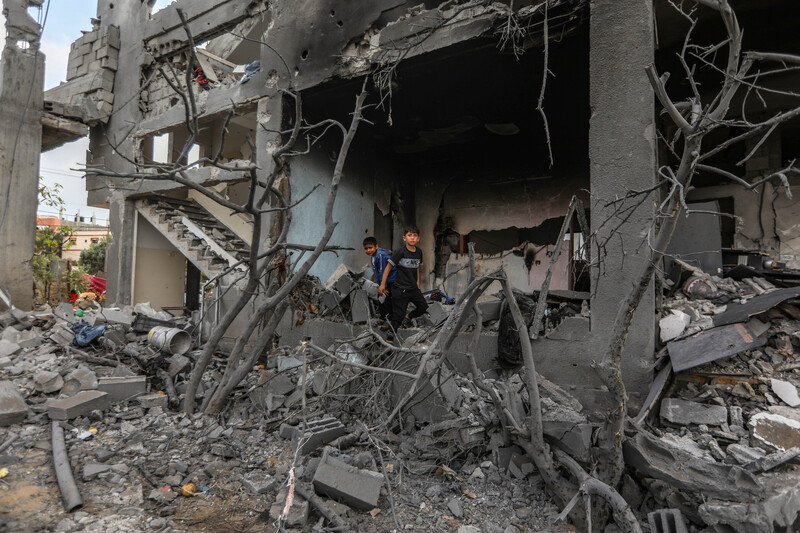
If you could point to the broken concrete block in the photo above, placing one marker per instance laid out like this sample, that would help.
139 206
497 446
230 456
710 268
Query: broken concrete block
744 455
82 403
78 380
298 512
667 521
61 334
438 313
10 334
115 335
287 363
775 431
684 412
8 348
353 486
91 470
359 307
48 382
29 338
454 505
672 325
317 434
344 285
116 317
280 384
258 482
659 459
520 466
341 270
273 402
330 299
148 401
5 362
12 407
65 311
786 392
289 432
122 389
575 439
293 399
177 364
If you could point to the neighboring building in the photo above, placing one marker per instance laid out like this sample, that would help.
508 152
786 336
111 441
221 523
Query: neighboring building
85 232
458 146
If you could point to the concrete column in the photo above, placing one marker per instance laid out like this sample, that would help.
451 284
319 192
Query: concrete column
110 148
622 152
120 255
21 94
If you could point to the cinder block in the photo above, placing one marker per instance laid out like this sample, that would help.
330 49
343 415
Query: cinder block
122 389
437 312
347 484
317 434
344 284
153 400
110 63
12 407
115 317
177 364
112 36
667 521
82 403
9 348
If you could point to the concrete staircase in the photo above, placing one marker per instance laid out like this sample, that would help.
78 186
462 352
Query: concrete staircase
196 233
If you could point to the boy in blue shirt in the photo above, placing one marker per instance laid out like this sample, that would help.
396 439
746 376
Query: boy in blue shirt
379 258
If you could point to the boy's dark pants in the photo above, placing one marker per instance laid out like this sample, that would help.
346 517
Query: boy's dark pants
385 309
400 301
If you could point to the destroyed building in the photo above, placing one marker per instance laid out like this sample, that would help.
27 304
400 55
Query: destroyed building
486 120
456 145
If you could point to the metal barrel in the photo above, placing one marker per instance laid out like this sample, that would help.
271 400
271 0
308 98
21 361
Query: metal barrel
170 340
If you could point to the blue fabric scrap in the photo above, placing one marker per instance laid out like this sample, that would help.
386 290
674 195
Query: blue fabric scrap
250 70
85 334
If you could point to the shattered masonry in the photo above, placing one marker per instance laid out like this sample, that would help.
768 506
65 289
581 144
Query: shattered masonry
463 155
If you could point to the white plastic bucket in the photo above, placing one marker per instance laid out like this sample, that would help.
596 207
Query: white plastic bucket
170 340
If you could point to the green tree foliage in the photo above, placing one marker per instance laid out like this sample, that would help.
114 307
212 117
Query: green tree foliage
94 259
50 196
53 241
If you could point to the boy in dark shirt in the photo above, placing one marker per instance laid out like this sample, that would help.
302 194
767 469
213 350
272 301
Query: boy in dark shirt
379 258
406 262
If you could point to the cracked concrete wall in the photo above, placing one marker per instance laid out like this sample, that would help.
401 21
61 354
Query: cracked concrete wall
768 217
21 98
159 269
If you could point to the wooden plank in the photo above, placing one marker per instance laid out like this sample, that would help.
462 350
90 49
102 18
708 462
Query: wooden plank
754 306
710 345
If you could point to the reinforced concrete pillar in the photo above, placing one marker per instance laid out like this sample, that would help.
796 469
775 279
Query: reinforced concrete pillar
21 95
622 152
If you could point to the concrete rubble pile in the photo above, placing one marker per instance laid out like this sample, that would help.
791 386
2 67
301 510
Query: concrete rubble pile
304 441
299 429
718 439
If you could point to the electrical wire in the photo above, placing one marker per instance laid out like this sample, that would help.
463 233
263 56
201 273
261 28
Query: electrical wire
22 120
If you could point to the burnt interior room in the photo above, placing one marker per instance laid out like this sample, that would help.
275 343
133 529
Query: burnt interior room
465 147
